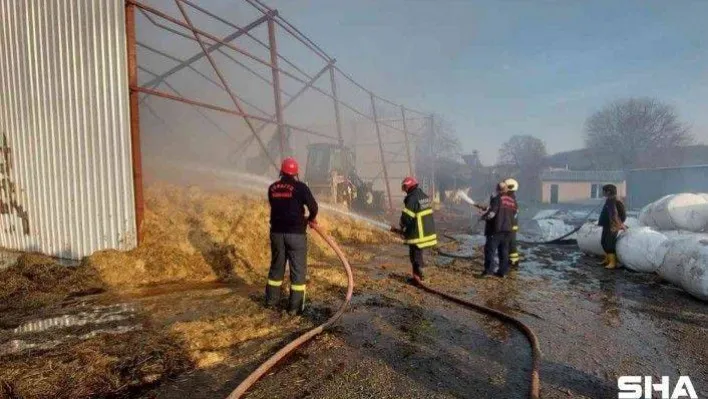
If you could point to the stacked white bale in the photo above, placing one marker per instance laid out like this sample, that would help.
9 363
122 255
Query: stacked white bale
637 249
686 263
695 274
646 217
589 239
684 211
632 222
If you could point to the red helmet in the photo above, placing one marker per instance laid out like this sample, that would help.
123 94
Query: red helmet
289 167
409 183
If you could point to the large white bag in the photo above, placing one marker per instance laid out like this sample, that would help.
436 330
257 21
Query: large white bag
646 216
684 211
632 222
695 274
589 239
636 249
677 253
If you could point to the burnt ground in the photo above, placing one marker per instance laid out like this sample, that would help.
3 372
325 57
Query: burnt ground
397 341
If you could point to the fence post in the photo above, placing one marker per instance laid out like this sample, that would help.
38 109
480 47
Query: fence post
381 151
335 99
135 120
276 85
408 144
432 157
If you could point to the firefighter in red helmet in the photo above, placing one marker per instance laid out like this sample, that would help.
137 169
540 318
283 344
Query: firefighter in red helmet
288 198
417 224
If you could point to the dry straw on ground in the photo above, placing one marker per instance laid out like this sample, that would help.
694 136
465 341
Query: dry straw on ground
193 235
190 236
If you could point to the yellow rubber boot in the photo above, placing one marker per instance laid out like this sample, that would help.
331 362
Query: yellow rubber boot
611 261
605 261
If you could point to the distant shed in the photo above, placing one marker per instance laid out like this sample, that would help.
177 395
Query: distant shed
578 187
647 185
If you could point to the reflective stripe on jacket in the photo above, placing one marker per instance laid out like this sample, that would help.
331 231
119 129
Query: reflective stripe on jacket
515 225
417 220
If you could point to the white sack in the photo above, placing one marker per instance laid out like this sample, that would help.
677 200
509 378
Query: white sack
677 253
632 222
547 229
636 249
677 212
695 274
545 214
589 237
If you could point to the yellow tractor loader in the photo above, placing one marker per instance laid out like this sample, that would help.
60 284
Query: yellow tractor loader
331 174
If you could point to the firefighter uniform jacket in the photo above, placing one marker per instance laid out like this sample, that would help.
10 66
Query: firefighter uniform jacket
288 198
500 215
417 220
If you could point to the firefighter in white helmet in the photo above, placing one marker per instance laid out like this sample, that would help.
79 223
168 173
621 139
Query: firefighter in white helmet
513 186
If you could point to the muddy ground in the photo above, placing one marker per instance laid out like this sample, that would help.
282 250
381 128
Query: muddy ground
397 341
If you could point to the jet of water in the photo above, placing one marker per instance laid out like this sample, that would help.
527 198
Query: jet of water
260 184
461 195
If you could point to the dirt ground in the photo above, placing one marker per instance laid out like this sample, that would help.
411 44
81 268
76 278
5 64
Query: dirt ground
397 341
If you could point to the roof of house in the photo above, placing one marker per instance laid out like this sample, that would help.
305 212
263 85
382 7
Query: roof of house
599 176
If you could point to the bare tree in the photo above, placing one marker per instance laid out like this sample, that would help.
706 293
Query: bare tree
439 148
635 132
527 155
523 152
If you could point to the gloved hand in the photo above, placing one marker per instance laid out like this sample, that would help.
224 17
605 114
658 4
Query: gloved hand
396 230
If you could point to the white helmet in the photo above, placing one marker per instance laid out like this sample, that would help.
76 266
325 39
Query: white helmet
511 184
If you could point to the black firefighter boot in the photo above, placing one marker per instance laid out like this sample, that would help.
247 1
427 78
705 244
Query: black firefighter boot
272 296
296 305
418 273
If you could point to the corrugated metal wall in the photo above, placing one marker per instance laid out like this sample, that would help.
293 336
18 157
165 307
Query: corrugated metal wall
67 185
647 185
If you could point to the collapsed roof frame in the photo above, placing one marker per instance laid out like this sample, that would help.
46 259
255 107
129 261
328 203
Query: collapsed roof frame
210 43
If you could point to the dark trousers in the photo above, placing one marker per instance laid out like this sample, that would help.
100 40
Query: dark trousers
290 248
497 243
513 250
416 256
608 240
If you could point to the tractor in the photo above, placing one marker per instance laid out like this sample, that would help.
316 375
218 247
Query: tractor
331 174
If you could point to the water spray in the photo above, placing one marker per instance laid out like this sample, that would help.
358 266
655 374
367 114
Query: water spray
259 184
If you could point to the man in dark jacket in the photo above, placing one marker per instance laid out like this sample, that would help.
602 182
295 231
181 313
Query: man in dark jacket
499 217
288 198
612 220
417 224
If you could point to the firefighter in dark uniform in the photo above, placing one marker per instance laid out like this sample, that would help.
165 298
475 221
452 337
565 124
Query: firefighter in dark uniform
514 257
499 217
611 220
288 198
417 224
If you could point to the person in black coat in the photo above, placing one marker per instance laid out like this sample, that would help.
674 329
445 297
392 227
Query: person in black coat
499 217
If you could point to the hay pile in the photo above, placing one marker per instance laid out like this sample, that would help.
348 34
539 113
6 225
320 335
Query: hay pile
104 366
191 235
36 281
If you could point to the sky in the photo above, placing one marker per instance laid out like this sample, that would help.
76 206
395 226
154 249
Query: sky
498 68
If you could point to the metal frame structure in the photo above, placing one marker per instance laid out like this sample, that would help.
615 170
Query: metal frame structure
225 46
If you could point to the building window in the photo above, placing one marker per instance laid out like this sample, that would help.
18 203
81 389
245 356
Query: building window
596 191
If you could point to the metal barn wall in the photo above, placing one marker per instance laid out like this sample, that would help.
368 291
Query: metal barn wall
647 185
65 163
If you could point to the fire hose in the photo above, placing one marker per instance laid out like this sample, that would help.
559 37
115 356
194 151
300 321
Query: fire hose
273 360
534 393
